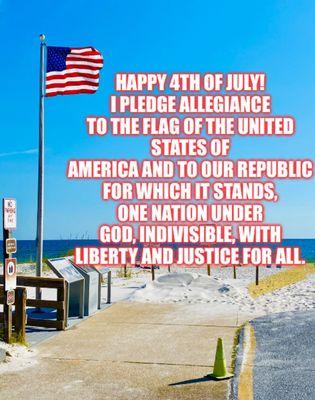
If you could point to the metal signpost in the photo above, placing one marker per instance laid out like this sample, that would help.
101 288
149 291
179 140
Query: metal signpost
41 153
9 264
101 272
93 287
92 294
257 275
109 286
63 268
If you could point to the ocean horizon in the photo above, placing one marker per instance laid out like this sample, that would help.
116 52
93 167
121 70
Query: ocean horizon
26 249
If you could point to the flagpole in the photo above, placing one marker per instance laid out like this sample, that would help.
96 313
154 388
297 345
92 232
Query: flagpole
40 188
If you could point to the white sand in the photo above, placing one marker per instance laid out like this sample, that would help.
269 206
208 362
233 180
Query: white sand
17 357
196 288
193 286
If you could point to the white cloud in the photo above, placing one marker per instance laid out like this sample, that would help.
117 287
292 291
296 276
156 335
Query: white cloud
17 153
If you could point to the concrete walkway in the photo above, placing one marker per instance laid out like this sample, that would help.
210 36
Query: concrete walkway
130 351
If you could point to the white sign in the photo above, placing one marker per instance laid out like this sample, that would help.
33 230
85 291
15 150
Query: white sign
9 213
10 274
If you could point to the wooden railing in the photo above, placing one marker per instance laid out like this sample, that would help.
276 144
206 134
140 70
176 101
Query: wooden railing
60 304
19 315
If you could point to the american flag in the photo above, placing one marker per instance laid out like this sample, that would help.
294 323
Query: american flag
72 70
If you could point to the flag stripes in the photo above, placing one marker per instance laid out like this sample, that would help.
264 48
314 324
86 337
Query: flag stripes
72 70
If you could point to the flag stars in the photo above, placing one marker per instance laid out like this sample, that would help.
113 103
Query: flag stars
56 58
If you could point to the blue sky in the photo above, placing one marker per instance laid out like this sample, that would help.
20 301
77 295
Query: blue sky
276 37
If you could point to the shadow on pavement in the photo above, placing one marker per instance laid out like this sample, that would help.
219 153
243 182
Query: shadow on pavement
191 381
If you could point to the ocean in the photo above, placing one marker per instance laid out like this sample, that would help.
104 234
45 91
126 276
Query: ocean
58 248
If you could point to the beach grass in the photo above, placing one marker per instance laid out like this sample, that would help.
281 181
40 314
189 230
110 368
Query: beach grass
124 272
15 338
236 342
18 339
288 276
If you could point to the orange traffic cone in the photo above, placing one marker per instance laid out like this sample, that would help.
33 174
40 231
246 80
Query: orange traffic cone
219 369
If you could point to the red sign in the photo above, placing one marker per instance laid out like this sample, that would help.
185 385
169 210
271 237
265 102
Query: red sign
10 274
10 297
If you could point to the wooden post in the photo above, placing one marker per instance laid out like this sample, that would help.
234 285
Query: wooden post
20 312
7 309
257 275
152 272
109 284
234 271
208 270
